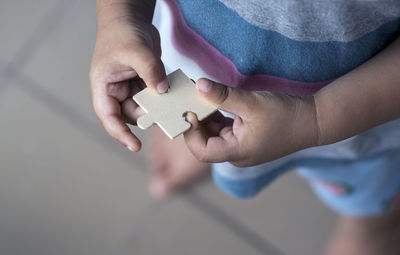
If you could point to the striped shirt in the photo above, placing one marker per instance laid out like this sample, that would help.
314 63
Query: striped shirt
290 46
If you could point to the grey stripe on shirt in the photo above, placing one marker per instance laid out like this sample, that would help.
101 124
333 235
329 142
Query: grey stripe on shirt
317 20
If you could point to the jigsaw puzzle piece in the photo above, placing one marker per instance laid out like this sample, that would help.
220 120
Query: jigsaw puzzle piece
145 121
166 110
173 127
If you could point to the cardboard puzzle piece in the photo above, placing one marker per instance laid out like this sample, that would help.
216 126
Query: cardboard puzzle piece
167 110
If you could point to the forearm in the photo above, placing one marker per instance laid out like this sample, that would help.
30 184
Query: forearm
366 97
135 11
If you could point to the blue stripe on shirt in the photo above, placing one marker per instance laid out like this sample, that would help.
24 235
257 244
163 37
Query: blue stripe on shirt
257 51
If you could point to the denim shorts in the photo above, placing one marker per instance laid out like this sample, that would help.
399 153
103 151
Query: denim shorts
366 186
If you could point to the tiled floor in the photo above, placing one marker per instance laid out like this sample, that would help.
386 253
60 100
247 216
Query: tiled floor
68 188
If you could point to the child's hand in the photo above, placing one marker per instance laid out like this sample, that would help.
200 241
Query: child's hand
124 51
267 126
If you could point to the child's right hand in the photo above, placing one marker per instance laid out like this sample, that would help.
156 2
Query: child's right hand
126 58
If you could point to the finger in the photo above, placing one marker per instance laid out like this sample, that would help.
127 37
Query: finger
210 148
120 91
137 85
219 118
108 111
121 132
119 75
130 111
123 92
215 123
149 67
225 98
156 41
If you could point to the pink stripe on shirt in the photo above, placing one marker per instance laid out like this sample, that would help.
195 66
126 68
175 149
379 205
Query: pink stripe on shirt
192 45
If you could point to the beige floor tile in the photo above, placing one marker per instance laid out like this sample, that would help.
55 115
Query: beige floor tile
60 192
61 63
286 213
180 229
19 20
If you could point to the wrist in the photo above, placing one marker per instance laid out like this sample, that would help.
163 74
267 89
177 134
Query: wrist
306 126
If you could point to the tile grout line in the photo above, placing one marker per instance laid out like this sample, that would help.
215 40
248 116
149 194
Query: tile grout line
139 228
75 119
233 225
68 113
25 53
10 73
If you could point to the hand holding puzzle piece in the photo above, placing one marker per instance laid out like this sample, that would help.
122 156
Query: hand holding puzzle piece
167 110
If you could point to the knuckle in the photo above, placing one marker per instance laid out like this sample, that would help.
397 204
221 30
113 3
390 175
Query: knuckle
117 134
111 88
110 130
97 108
97 111
152 66
202 156
113 135
202 159
147 64
136 113
224 93
154 32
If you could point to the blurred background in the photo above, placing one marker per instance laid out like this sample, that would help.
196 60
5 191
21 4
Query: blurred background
66 187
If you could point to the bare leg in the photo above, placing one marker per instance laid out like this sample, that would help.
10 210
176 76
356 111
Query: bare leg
368 236
172 166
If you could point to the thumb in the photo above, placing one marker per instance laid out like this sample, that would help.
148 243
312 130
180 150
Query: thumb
228 99
150 68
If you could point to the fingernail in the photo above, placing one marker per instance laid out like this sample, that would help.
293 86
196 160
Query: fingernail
189 117
130 148
204 85
163 86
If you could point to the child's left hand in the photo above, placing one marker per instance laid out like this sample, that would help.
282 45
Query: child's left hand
267 126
